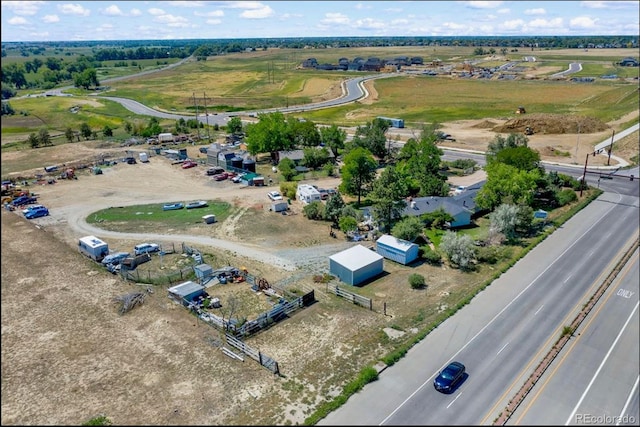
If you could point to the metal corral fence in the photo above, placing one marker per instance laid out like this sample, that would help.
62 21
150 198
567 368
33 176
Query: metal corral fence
354 298
149 276
263 359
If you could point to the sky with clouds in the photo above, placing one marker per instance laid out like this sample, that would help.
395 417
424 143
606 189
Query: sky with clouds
157 20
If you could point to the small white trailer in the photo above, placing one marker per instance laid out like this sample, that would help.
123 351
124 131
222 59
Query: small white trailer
93 247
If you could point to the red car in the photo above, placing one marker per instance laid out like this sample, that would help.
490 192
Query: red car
189 164
221 176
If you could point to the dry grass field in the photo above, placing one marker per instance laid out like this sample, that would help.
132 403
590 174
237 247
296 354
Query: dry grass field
68 355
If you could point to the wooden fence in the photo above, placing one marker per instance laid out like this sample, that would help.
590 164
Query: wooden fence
262 359
350 296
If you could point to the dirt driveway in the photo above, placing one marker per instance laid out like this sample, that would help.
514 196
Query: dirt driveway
68 356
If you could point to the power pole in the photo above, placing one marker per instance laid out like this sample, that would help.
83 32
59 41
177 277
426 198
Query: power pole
610 147
207 116
197 122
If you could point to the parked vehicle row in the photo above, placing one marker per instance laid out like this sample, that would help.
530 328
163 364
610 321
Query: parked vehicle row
35 211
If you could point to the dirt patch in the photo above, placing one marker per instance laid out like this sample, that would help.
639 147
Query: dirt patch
552 124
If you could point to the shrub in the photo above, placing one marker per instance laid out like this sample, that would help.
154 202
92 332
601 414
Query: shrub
431 256
416 281
288 189
314 210
567 196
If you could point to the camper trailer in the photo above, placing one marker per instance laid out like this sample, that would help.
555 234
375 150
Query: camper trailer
93 247
307 193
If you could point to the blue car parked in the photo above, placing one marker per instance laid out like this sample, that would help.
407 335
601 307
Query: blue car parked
36 212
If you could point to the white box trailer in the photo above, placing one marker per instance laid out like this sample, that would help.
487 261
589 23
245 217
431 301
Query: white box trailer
144 157
93 247
307 194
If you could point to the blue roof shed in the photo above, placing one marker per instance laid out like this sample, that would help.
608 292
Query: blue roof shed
398 250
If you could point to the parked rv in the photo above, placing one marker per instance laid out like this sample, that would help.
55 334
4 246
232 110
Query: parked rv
93 247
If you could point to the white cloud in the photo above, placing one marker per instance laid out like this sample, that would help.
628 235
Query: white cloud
368 23
73 9
243 5
484 4
363 6
504 10
156 12
393 10
50 19
43 35
181 3
172 20
213 21
335 18
401 22
582 22
513 24
609 4
212 14
113 10
23 7
263 12
135 12
17 20
538 11
545 23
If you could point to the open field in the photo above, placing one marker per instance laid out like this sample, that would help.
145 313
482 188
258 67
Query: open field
64 341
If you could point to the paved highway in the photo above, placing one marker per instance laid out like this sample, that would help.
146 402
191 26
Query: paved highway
597 376
503 334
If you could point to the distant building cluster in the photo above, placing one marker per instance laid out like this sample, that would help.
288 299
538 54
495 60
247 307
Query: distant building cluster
361 64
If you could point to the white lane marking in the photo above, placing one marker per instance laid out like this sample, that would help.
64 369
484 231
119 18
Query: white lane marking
573 413
538 310
626 405
503 347
453 401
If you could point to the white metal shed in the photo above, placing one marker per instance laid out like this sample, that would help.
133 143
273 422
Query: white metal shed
397 250
356 265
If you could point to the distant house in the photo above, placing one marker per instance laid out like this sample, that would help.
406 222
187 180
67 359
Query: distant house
297 155
310 63
629 62
461 207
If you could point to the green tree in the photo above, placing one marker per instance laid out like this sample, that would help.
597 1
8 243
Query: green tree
504 219
458 248
85 130
314 210
521 157
358 172
387 196
287 168
437 219
44 137
268 135
499 143
302 133
107 131
419 160
69 134
372 136
408 228
128 127
33 140
333 208
86 79
234 125
334 138
7 109
348 224
315 157
507 184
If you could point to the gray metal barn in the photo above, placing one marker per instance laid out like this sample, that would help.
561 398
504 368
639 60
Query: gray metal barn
398 250
356 265
186 292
